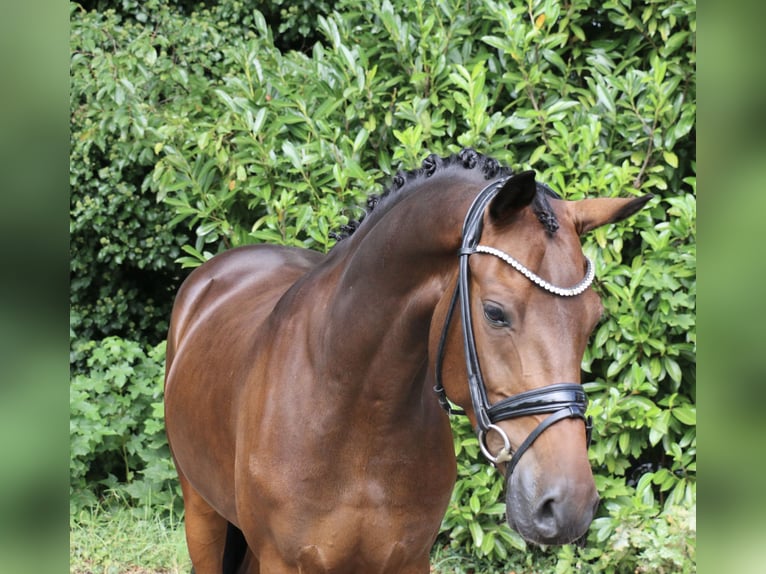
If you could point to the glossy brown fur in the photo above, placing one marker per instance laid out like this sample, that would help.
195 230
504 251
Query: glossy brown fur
299 401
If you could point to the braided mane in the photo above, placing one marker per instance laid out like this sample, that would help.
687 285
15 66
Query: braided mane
468 159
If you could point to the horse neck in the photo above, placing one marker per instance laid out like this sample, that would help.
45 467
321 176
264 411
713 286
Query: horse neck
387 286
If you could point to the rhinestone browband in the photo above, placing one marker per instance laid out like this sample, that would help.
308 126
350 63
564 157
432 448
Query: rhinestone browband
560 291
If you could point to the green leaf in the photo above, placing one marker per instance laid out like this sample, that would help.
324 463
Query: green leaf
474 503
258 120
476 533
604 98
537 154
686 122
292 153
497 42
488 544
686 413
671 366
360 139
554 58
670 158
674 42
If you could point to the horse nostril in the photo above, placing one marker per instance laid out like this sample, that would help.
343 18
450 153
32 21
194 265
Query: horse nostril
546 509
545 516
557 519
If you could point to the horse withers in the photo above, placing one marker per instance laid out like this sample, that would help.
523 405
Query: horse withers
299 395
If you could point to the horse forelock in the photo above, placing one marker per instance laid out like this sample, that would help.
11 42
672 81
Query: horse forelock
542 208
406 182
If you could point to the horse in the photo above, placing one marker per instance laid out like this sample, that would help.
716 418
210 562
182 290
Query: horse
307 395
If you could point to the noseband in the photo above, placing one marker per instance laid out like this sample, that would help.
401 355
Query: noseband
562 400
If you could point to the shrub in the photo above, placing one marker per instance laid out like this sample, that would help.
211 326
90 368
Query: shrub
475 519
116 428
635 538
141 73
131 82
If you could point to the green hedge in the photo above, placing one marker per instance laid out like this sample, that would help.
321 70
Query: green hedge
116 427
196 132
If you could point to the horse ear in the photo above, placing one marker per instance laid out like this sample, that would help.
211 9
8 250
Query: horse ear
588 214
517 192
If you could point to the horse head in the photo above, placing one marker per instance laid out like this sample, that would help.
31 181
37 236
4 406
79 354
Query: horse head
526 313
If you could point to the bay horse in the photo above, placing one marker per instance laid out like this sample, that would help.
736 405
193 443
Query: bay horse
304 391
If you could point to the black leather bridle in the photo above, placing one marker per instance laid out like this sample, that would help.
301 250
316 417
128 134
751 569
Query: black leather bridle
562 400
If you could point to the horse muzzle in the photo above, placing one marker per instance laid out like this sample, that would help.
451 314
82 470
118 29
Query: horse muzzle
559 514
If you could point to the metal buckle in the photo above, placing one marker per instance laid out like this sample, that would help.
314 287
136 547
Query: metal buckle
504 455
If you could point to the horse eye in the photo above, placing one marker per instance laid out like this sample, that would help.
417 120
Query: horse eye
495 315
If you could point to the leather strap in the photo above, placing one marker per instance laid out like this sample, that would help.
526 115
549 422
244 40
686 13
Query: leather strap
563 400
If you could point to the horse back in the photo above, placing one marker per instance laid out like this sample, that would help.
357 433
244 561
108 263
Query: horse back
255 276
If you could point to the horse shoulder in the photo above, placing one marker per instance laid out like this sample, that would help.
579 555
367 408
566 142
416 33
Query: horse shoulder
217 316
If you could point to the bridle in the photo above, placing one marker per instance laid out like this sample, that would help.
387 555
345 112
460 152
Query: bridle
563 400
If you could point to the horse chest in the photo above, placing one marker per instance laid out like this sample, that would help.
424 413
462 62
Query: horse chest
373 516
363 532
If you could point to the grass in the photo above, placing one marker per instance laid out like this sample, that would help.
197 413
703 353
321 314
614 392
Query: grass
112 538
116 539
